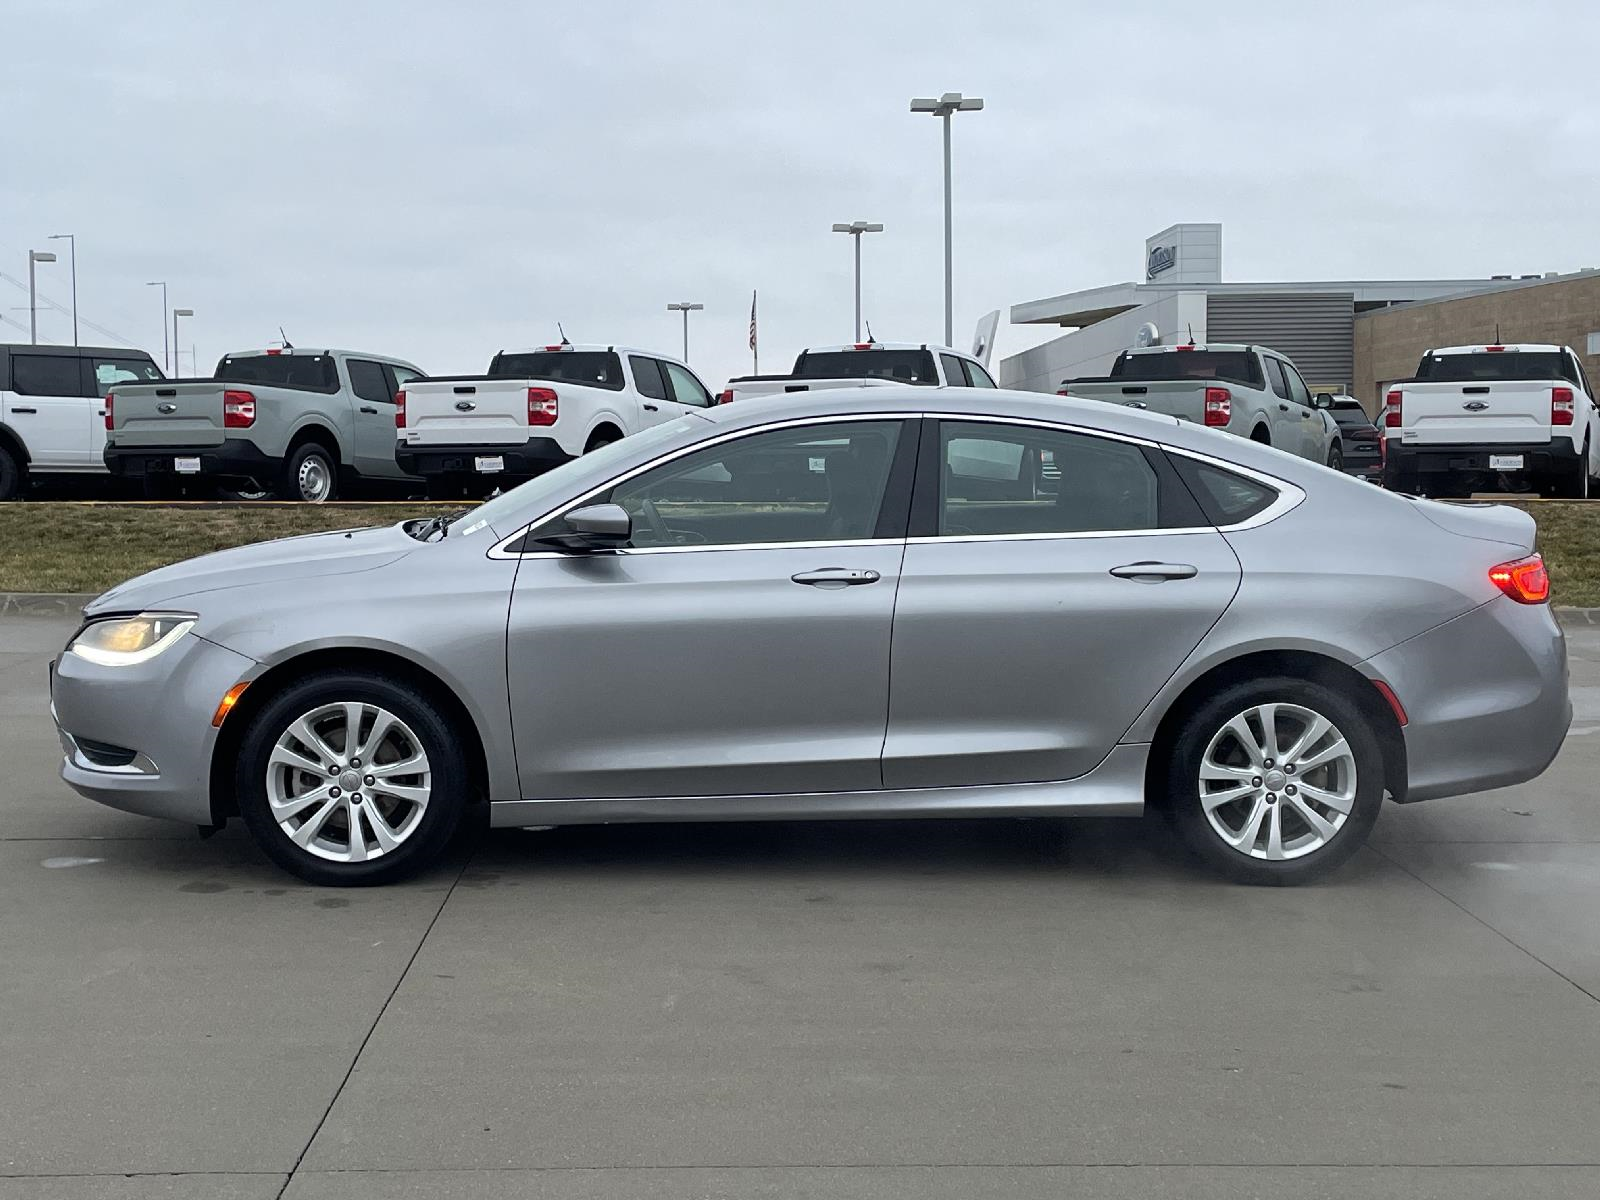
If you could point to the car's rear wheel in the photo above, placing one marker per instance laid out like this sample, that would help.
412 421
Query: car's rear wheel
350 779
1573 482
11 475
1336 457
1275 781
309 474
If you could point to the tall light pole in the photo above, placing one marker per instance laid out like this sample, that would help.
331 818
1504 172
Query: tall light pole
72 245
166 345
35 256
855 229
685 308
176 313
947 106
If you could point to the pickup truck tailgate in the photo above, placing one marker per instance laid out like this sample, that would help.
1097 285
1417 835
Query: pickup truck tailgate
481 412
1181 398
1505 410
167 414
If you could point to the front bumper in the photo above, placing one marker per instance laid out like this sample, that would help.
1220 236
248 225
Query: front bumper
533 457
1486 697
1402 462
234 457
161 710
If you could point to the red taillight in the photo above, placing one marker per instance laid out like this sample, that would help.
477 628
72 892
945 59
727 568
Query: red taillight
726 397
400 409
1219 406
110 400
1063 392
1391 410
1525 580
1561 406
238 410
542 407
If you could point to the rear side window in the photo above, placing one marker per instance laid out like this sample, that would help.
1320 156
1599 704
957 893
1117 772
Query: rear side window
1280 386
1235 366
647 377
1506 364
303 372
46 374
593 368
907 366
1225 498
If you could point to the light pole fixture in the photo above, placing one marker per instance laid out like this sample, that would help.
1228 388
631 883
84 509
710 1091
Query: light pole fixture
855 229
72 246
176 313
166 345
35 256
946 106
685 307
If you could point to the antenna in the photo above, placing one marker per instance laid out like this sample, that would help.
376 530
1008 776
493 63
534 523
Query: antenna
563 334
1497 340
870 338
1191 333
287 345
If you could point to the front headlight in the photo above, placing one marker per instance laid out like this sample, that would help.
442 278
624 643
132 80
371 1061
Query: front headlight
125 641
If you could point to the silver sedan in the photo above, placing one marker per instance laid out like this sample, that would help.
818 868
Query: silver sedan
916 604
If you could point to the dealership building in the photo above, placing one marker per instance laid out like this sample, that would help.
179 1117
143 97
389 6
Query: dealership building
1349 336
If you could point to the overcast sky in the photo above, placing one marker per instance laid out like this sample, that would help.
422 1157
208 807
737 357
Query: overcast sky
439 181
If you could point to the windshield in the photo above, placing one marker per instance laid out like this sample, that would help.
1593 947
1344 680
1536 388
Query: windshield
1506 364
907 366
509 510
1236 366
599 368
307 372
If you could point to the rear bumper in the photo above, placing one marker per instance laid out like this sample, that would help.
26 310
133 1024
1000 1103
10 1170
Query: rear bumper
1486 697
532 457
1401 460
232 457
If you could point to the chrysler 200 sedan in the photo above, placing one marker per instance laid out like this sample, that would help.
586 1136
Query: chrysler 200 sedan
923 603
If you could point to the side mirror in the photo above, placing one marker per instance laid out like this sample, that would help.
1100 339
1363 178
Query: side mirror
595 527
1322 400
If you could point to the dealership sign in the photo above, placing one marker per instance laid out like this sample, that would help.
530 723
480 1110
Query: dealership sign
1162 258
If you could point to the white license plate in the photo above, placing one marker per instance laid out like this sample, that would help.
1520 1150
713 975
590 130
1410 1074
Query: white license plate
186 466
488 464
1505 462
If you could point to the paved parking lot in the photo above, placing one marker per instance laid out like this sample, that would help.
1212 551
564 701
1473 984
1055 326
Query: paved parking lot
939 1009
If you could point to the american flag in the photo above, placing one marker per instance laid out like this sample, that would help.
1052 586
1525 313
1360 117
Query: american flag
752 322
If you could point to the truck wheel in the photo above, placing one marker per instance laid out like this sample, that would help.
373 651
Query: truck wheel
1336 457
12 475
444 487
247 489
1573 483
309 475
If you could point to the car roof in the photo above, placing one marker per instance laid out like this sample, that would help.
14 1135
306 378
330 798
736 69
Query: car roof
1232 347
861 347
80 351
1508 347
591 348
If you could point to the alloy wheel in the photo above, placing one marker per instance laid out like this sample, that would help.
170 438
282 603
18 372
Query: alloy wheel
1277 782
348 782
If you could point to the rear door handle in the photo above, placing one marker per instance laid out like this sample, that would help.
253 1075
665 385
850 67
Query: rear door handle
1283 408
836 577
25 410
650 408
368 408
1155 572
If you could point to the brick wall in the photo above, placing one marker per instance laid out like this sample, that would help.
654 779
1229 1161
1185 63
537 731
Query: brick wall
1390 341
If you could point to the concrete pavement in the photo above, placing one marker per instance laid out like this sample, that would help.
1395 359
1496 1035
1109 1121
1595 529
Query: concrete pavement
930 1009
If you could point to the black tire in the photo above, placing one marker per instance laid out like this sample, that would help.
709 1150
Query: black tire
449 780
1572 483
1262 436
1336 457
12 475
1182 784
304 459
601 437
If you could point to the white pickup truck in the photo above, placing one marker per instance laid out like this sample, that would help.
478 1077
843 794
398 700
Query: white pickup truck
1492 418
865 364
535 409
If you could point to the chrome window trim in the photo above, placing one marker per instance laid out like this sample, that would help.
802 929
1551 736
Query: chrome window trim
1289 495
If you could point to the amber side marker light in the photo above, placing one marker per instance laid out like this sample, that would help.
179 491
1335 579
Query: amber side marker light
227 703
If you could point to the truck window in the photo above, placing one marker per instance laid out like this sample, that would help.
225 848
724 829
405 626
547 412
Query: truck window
108 372
1235 366
367 381
1507 364
686 389
592 368
302 372
46 374
1280 386
954 373
979 377
907 366
1298 392
400 376
647 377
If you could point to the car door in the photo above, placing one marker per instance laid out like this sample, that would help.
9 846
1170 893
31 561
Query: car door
687 389
740 643
1311 429
374 417
51 406
1052 582
651 384
110 370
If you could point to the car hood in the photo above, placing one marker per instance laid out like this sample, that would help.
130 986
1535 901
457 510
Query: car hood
309 556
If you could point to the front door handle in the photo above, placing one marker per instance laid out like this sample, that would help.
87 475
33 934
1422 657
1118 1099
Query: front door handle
1155 572
1283 408
367 408
25 410
649 408
836 577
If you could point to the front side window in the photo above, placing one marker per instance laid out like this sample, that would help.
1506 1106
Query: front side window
1298 392
647 377
1011 479
686 389
954 374
817 483
46 374
979 377
1280 386
404 375
108 372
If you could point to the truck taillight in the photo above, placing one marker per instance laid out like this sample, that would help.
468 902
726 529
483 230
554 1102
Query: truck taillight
1219 406
542 406
1561 406
400 409
238 410
110 400
1391 410
726 397
1525 580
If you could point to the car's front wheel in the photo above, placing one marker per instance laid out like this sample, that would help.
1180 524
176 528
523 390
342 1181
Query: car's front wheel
351 779
1336 457
1276 780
